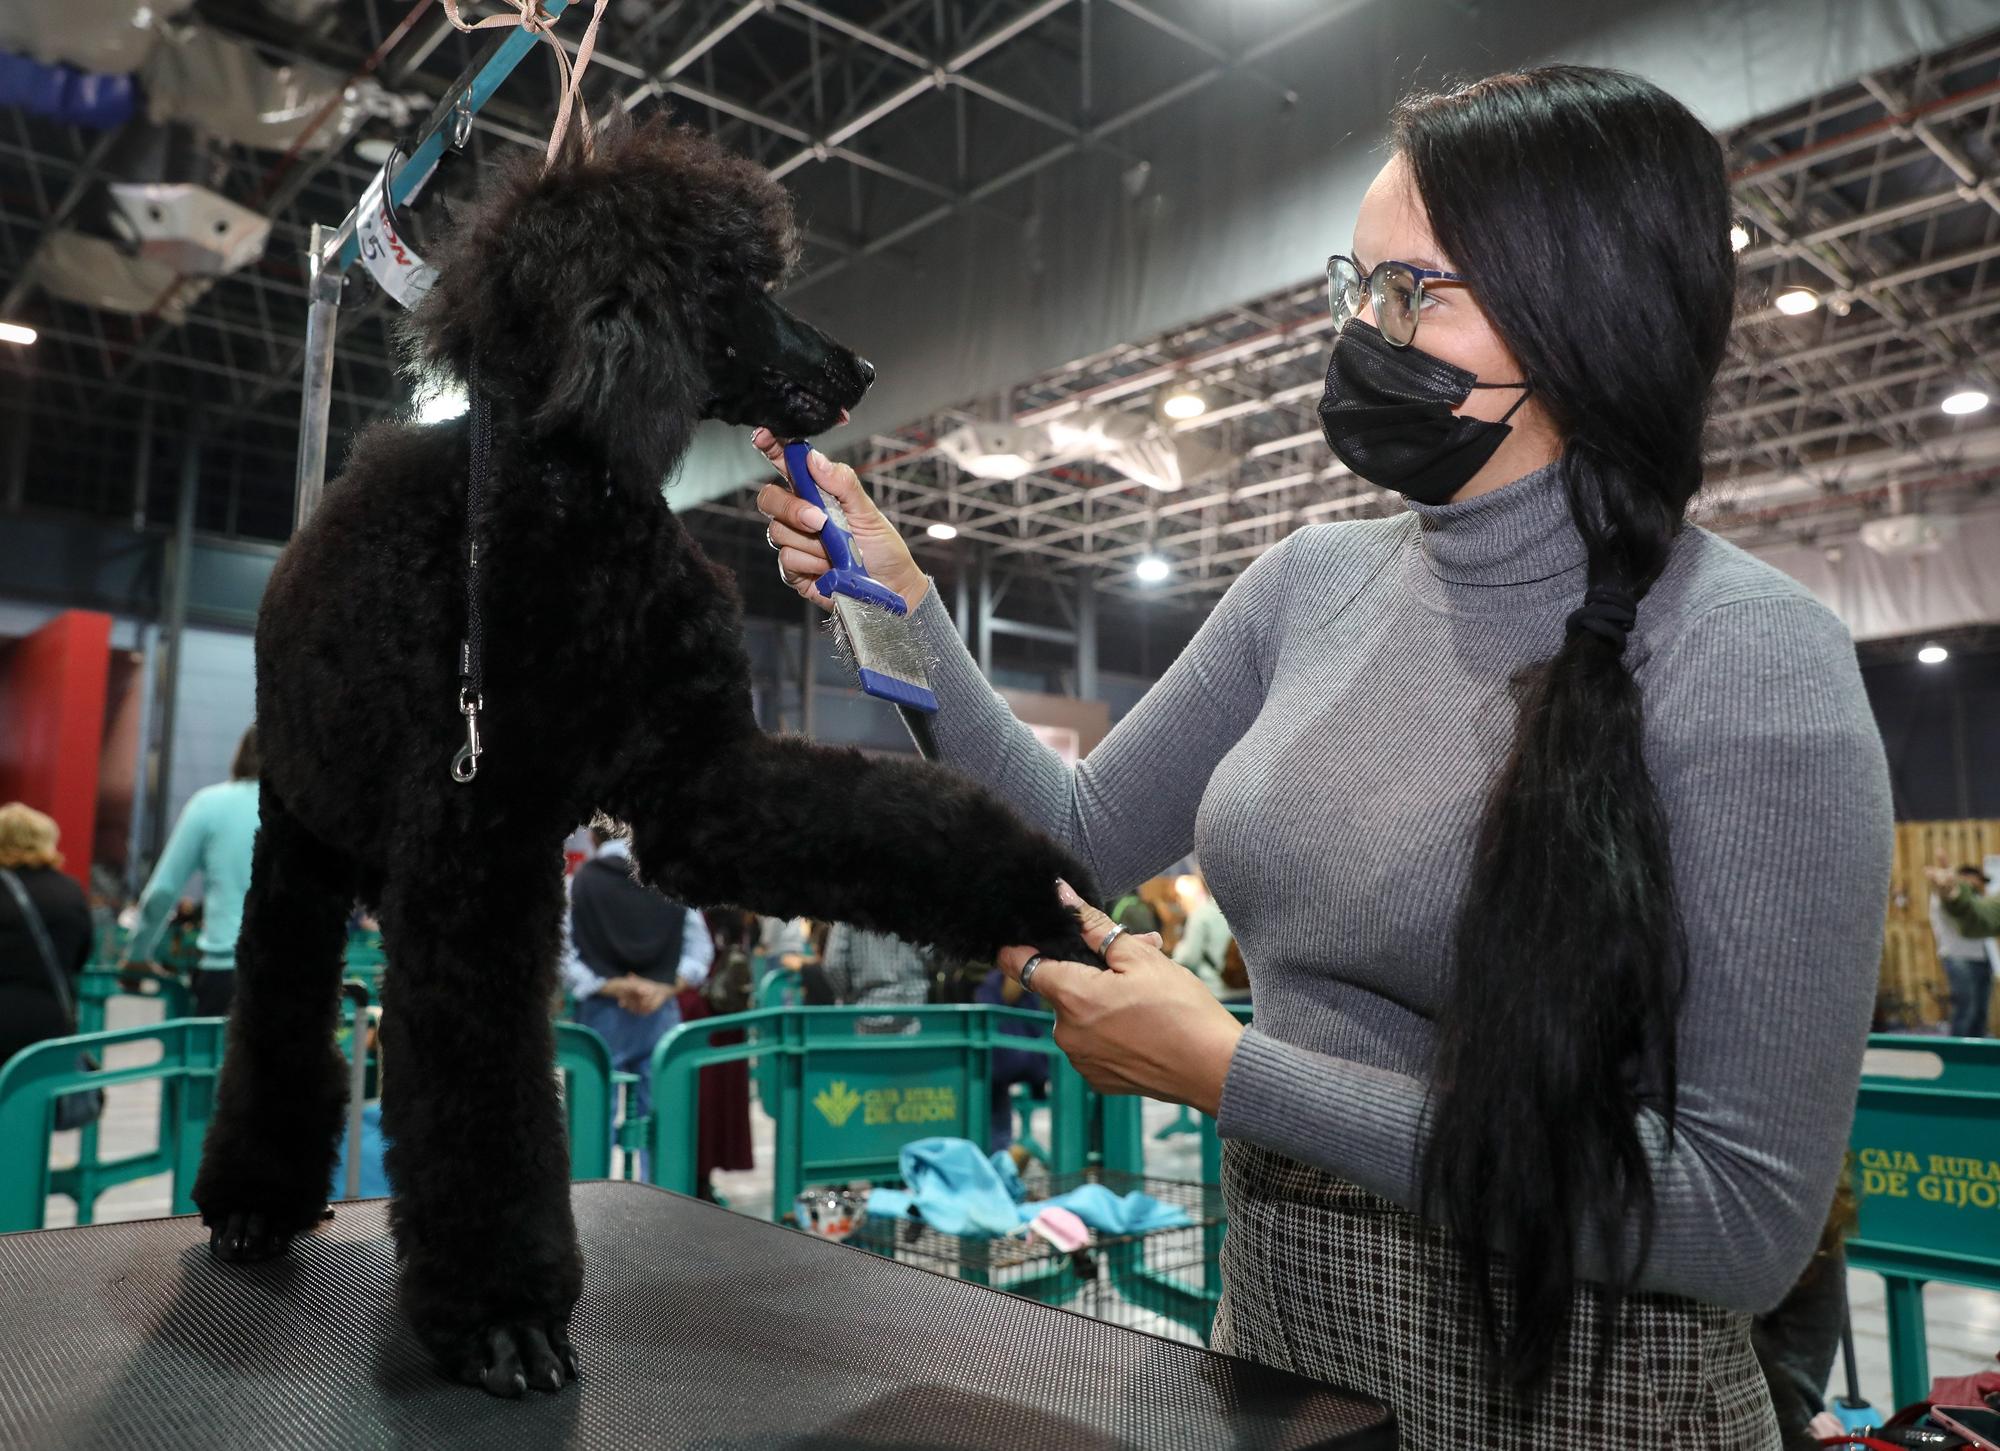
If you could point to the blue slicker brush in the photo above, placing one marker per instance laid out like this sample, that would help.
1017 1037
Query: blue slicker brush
872 618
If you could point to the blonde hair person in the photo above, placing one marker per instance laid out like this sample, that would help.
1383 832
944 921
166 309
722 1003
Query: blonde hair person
28 838
39 902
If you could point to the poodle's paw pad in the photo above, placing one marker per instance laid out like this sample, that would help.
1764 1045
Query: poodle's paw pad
242 1237
511 1360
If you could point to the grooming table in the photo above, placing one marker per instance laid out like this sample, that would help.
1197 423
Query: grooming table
697 1328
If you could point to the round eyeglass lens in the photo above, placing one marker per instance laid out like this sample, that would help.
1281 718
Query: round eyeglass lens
1343 290
1393 289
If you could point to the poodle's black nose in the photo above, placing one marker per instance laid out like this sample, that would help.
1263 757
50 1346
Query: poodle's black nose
867 372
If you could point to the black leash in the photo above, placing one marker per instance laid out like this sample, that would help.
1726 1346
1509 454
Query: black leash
471 649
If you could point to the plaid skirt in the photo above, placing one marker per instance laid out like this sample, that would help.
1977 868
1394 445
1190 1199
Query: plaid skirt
1325 1279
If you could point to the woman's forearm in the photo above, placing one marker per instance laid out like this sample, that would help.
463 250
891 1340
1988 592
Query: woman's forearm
1128 810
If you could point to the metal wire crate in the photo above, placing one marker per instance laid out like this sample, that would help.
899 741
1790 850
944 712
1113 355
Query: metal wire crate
1165 1280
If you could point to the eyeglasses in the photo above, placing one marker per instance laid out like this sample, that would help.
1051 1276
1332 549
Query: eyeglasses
1396 290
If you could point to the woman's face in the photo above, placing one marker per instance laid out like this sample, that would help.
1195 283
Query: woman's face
1393 226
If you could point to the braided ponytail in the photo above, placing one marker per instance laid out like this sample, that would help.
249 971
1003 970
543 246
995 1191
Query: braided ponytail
1590 210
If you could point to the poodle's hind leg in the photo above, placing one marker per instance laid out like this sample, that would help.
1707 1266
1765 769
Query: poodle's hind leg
268 1158
478 1148
788 828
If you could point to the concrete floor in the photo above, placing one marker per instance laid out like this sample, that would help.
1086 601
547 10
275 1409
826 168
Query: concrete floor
1963 1323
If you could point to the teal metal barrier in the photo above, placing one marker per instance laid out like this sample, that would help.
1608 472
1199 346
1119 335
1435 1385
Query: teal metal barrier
1190 1302
1925 1162
778 988
846 1101
30 1082
584 1060
95 987
190 1055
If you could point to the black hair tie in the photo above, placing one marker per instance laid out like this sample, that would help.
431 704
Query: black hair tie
1608 613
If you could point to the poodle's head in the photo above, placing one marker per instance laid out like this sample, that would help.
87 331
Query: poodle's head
625 295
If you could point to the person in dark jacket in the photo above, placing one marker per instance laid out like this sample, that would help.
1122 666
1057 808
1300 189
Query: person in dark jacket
627 952
30 1008
1012 1065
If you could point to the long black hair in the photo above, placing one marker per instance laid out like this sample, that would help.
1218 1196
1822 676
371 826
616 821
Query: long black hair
1590 211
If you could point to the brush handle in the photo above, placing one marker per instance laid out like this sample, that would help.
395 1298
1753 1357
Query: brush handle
849 576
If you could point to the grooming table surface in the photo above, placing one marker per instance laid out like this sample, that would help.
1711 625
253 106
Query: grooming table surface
697 1328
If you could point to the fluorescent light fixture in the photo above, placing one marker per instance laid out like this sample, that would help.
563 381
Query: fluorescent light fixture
1182 402
942 531
1933 655
439 406
1796 301
1739 237
17 332
1965 400
1152 569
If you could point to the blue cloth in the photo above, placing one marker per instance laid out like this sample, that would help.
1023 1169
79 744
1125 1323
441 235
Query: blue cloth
955 1188
374 1177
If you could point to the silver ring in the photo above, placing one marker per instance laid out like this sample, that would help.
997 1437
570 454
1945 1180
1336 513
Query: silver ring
1028 972
769 540
790 583
1104 947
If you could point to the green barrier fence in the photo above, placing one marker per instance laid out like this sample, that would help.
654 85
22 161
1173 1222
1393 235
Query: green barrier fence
846 1101
1925 1161
584 1060
95 988
189 1056
777 988
190 1052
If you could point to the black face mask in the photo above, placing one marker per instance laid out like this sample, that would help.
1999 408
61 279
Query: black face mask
1387 414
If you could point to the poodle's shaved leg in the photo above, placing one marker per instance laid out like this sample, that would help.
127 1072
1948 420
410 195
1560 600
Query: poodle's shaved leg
270 1150
785 827
478 1148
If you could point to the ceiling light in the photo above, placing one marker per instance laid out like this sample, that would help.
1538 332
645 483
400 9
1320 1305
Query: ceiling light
1965 400
1152 569
1182 402
942 531
374 149
1796 301
1739 237
440 406
16 332
1933 654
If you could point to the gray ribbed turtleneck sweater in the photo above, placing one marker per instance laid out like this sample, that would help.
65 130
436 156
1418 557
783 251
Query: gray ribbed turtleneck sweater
1326 742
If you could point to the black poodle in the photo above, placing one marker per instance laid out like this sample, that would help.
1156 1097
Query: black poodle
608 304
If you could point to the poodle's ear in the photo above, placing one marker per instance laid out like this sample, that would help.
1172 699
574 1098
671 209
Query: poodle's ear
627 375
578 319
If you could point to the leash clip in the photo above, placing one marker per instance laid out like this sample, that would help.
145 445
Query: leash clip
465 765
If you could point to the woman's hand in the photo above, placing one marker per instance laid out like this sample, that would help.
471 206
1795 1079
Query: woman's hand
1145 1026
795 525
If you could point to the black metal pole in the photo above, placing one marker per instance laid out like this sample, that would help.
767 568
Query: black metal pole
173 625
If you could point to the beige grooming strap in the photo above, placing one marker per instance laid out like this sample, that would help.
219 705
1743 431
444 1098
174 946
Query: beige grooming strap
531 17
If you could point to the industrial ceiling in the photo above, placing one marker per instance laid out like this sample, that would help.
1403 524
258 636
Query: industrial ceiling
903 125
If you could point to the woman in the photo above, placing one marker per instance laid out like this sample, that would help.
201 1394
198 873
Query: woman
1555 831
32 1008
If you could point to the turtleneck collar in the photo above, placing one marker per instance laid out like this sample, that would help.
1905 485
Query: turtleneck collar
1520 533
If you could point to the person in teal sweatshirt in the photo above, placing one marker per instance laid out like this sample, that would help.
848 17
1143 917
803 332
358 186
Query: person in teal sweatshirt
213 837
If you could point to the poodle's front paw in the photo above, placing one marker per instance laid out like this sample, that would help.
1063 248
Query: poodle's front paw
509 1360
243 1237
501 1324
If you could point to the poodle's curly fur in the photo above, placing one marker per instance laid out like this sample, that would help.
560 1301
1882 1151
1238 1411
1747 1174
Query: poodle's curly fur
609 305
